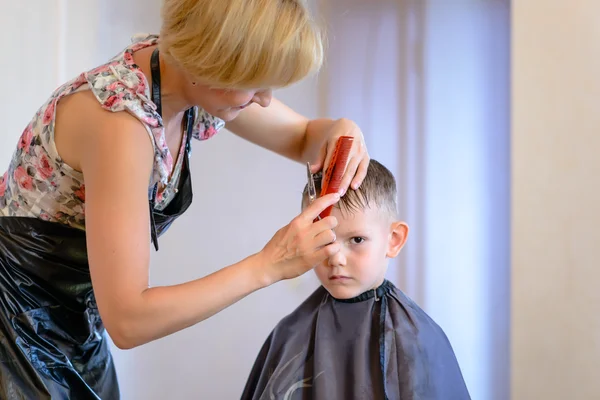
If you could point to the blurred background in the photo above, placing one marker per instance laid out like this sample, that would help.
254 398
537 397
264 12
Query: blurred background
487 113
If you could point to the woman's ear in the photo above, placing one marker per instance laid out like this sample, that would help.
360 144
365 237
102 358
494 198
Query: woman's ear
397 238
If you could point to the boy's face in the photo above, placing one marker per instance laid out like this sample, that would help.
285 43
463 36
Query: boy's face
368 239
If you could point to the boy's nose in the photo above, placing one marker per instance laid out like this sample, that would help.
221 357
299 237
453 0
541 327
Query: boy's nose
337 260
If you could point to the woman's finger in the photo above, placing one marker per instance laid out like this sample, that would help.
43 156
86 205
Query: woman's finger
330 149
325 252
317 165
326 224
312 211
349 174
323 239
361 172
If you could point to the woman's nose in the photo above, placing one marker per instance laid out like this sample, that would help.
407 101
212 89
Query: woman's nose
263 98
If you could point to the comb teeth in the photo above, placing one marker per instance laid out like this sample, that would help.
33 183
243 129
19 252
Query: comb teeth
335 171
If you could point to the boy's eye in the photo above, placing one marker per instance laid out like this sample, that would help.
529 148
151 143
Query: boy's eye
357 240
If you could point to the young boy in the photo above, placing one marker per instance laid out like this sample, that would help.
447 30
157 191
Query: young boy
358 336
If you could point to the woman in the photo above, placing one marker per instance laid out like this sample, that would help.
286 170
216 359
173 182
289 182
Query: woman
102 171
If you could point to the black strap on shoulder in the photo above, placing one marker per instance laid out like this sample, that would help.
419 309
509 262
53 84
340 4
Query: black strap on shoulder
155 69
156 97
189 120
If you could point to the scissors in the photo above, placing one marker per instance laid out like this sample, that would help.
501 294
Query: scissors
312 191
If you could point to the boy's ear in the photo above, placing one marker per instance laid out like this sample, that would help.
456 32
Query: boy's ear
397 238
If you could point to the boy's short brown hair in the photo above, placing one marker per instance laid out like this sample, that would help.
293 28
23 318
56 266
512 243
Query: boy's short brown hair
378 190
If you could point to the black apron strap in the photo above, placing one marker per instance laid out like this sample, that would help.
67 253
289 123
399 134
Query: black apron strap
155 69
189 129
189 120
156 98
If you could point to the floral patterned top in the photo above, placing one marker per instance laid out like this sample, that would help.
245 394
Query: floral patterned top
39 184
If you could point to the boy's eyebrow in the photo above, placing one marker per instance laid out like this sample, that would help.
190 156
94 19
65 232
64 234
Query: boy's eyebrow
353 233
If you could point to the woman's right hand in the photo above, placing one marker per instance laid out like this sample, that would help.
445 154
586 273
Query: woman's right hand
302 244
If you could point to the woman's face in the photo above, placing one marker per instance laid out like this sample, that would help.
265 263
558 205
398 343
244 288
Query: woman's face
227 103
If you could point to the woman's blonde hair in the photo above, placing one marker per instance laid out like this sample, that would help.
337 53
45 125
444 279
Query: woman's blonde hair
243 44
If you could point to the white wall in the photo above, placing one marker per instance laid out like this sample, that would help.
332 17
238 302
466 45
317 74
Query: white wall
428 83
466 193
29 66
556 197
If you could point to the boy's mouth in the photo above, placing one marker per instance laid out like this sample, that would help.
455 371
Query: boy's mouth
338 278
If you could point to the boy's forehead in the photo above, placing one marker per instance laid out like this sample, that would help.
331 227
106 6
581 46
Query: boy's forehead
356 218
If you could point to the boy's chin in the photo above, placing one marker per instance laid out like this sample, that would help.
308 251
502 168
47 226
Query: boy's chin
343 292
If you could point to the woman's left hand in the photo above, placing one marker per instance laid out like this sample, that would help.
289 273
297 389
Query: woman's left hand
358 160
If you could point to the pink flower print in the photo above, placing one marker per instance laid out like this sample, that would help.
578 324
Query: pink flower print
44 216
142 82
80 193
207 133
114 86
25 140
100 69
43 167
23 179
81 79
128 57
3 183
210 132
49 113
150 121
114 100
138 46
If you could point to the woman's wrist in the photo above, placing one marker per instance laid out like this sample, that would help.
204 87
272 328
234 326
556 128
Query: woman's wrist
164 310
316 131
259 273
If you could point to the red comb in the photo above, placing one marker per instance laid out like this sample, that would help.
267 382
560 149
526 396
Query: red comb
332 178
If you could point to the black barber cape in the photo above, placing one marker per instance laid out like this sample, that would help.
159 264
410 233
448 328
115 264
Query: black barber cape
378 345
52 340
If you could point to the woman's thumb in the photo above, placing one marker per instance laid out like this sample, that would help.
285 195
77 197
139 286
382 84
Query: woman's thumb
317 164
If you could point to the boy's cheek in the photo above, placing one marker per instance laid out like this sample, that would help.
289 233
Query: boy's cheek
321 271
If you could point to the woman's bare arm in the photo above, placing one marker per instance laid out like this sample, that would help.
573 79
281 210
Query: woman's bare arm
116 160
282 130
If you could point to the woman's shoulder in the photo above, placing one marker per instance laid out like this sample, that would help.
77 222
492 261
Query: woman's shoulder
120 85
